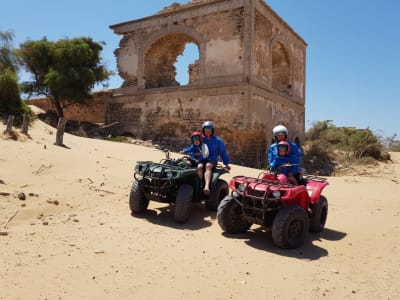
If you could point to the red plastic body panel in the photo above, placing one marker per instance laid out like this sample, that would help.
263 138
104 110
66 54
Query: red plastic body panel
301 195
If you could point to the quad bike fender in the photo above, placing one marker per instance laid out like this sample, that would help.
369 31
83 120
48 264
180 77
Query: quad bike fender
296 196
314 189
216 174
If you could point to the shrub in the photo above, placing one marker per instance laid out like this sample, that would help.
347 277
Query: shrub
326 144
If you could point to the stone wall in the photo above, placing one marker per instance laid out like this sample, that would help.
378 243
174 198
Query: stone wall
93 111
168 116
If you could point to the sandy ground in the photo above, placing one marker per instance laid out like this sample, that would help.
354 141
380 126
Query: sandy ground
74 237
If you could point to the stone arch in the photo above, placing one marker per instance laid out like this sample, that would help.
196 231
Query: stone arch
159 53
281 66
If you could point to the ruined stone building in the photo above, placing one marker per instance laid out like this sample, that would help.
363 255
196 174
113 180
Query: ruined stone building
249 76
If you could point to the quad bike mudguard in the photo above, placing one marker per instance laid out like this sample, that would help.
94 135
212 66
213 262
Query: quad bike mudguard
315 185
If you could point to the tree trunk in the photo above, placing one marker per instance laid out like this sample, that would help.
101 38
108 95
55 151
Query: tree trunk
60 131
10 123
25 124
59 108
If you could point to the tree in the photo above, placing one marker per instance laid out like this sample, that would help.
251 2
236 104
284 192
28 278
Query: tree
64 71
8 58
10 96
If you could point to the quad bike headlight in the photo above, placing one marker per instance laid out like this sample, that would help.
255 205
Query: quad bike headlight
170 174
276 194
241 188
139 169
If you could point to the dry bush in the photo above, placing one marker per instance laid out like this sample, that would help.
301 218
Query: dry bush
329 148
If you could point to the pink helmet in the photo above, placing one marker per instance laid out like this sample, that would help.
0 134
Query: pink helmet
196 133
285 145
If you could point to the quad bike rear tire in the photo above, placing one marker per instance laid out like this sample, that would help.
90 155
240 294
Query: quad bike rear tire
319 215
138 202
183 202
217 194
231 218
290 227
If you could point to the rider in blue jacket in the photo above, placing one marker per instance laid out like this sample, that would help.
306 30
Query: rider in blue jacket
292 156
195 150
216 148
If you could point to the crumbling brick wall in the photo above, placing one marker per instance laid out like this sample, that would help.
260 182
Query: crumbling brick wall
94 109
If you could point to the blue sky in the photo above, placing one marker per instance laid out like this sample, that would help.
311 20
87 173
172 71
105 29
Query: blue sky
353 53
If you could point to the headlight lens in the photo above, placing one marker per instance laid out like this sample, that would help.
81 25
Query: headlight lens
241 188
170 175
276 194
139 170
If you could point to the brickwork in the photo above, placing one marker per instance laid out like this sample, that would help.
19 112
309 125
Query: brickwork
93 111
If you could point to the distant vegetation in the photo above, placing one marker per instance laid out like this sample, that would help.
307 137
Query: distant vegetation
10 96
328 148
392 144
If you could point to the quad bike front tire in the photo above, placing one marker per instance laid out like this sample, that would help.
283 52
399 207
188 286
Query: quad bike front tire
290 227
230 216
138 202
217 194
183 202
319 215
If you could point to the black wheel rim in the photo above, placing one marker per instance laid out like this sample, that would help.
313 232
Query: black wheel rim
234 214
295 229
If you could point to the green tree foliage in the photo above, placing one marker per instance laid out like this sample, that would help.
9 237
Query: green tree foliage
8 58
10 99
64 71
10 96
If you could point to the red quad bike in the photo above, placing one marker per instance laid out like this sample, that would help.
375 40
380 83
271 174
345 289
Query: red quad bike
289 210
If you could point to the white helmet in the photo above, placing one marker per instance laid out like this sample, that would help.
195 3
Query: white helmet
208 124
279 129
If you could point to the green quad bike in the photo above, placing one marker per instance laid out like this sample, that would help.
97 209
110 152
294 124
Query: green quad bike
174 181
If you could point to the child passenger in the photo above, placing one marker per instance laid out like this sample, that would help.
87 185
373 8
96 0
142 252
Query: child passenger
195 151
284 159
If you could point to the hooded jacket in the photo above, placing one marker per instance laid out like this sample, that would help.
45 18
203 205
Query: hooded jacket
194 152
216 148
294 157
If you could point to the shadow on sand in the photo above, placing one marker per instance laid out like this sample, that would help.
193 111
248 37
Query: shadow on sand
261 239
164 216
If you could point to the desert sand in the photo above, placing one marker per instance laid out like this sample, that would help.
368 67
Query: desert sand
73 237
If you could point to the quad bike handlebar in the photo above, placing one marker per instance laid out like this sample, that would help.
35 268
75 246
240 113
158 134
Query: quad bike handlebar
286 166
275 171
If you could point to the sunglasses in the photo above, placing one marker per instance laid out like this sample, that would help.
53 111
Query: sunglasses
207 128
196 138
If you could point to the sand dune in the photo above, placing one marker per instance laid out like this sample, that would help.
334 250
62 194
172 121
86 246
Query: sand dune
73 237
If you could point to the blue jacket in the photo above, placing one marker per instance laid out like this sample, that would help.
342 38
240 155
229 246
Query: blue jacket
194 152
216 148
294 157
